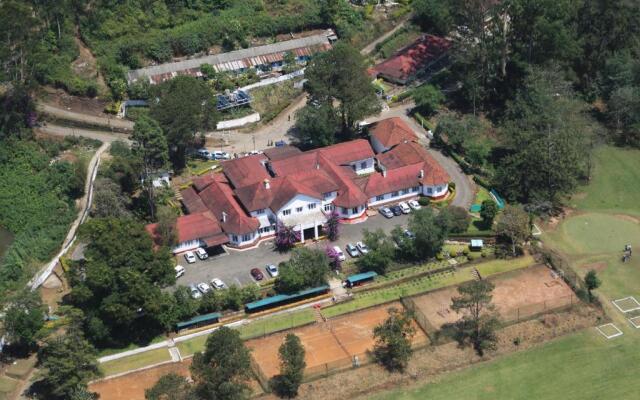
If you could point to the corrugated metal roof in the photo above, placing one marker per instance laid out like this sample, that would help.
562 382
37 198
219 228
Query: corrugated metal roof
360 277
198 319
283 297
320 42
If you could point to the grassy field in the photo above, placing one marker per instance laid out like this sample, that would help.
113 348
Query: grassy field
615 183
7 386
577 367
254 329
584 365
374 297
135 361
270 100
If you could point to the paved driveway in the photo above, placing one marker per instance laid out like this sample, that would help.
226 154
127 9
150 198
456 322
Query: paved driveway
233 268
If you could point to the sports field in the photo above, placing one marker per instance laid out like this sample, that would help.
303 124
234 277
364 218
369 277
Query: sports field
583 365
330 345
517 295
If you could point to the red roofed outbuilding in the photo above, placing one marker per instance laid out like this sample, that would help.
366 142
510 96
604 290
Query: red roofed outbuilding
390 132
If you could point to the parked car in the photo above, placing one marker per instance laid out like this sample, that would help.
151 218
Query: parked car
203 287
396 210
257 274
414 204
179 271
190 257
352 250
362 248
409 234
217 283
339 252
280 143
385 211
404 207
272 270
202 254
203 153
220 155
195 293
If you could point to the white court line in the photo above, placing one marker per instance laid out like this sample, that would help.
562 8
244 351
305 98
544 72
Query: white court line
627 310
618 333
634 320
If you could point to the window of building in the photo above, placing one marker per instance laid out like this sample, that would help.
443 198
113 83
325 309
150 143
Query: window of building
403 192
311 206
326 195
345 210
298 209
363 165
416 188
354 210
246 238
266 229
395 194
429 190
379 198
286 212
260 212
439 188
234 238
328 207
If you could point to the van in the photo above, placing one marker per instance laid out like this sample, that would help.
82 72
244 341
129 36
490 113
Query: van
339 252
179 271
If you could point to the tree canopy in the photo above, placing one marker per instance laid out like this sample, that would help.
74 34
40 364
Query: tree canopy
305 269
292 365
23 319
393 340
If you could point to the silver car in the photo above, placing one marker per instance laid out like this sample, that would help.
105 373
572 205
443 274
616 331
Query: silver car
195 293
352 250
362 248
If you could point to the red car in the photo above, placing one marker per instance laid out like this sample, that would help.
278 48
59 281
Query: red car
257 274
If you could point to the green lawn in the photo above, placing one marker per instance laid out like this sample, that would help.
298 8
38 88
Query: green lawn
270 100
7 385
614 186
580 366
257 328
134 362
374 297
21 368
482 195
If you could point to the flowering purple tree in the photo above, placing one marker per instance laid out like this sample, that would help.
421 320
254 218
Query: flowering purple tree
286 237
332 226
334 258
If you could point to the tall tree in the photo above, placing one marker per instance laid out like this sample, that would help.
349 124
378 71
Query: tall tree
393 340
19 29
592 281
150 146
478 322
381 252
316 125
23 319
339 76
185 106
454 219
170 387
488 212
428 99
223 370
306 268
292 366
513 225
429 233
434 16
547 137
68 363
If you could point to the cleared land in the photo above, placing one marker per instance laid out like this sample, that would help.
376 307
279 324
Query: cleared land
517 295
329 345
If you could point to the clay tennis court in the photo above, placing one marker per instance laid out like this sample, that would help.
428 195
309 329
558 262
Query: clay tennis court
518 294
334 342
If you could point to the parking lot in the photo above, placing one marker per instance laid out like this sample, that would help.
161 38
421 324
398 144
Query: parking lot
233 267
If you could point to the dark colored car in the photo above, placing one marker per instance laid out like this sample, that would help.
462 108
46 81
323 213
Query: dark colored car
257 274
396 210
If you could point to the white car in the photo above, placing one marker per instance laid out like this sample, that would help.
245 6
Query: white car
203 153
179 271
352 250
190 257
202 254
220 155
362 248
217 283
272 270
339 252
195 293
404 207
414 205
204 288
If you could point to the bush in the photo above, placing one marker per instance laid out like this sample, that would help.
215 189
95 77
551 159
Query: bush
439 257
453 253
466 252
424 201
452 185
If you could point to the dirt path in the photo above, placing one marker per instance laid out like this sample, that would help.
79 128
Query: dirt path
107 121
103 136
86 64
371 46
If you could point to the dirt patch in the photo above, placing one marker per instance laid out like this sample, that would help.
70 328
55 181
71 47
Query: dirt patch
329 346
517 295
60 99
430 363
598 266
629 218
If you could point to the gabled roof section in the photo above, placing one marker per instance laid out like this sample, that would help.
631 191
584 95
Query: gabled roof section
197 226
406 62
392 131
349 194
396 179
246 170
191 201
405 153
294 164
219 199
279 153
346 152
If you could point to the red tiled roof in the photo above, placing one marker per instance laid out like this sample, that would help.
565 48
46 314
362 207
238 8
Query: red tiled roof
349 194
397 179
406 153
345 152
392 131
218 197
279 153
293 164
197 226
434 174
245 170
404 64
191 201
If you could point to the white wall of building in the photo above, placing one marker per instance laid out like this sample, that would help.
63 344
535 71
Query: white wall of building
435 191
393 196
363 167
351 213
186 246
299 205
243 240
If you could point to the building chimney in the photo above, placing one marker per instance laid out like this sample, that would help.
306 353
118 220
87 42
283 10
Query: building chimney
421 174
384 172
317 165
224 216
267 184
